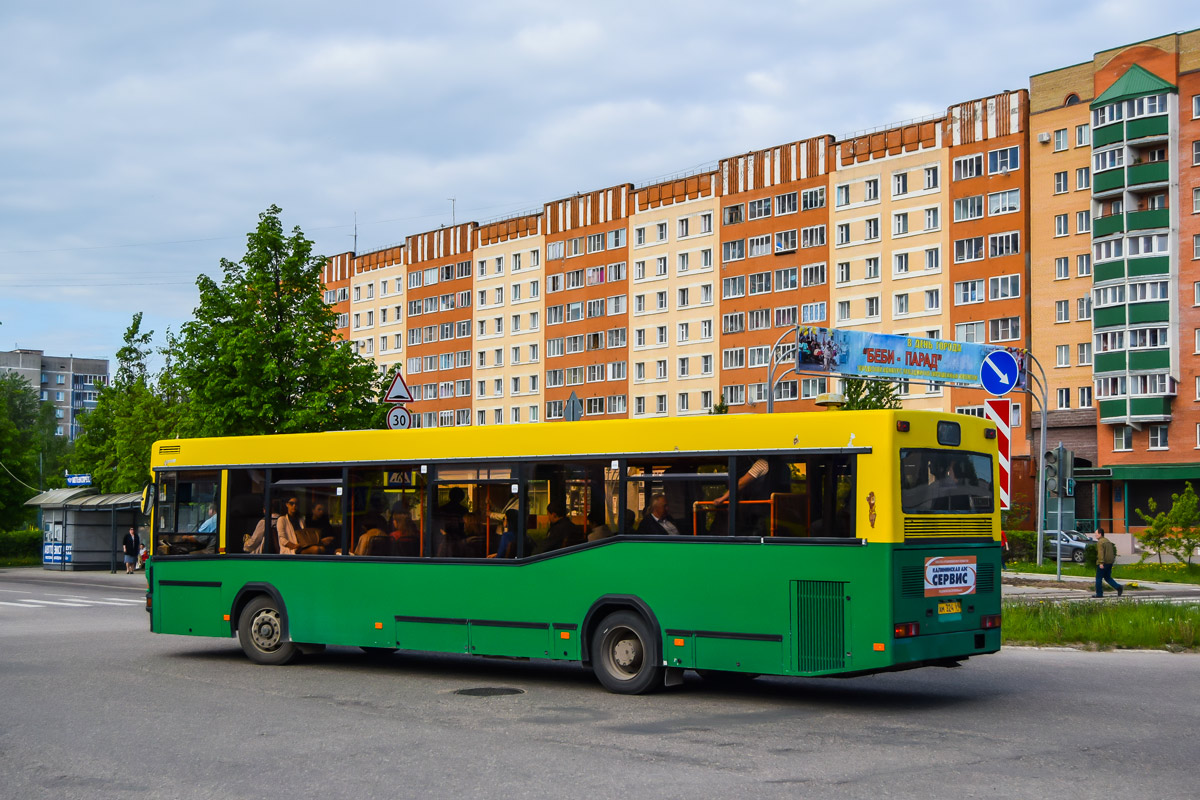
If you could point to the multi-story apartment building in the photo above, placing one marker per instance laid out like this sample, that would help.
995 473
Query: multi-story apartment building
890 237
1064 220
70 385
587 302
676 307
1134 113
774 227
510 309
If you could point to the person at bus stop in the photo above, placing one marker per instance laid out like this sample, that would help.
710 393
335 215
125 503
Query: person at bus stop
562 532
130 547
1106 556
657 522
287 525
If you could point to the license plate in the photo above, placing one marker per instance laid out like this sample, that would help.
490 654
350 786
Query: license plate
950 607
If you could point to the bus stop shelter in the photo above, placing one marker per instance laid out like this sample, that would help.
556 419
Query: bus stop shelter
82 530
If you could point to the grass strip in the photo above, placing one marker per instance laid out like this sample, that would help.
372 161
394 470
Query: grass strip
1162 573
1103 625
21 561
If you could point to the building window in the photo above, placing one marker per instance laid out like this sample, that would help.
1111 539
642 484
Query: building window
1060 139
1060 225
1085 397
899 184
1083 178
1063 397
931 177
1122 438
1060 182
969 249
1083 135
967 208
1158 437
1004 329
1083 264
1083 221
871 189
1006 159
968 167
1085 353
1061 311
1061 270
1062 355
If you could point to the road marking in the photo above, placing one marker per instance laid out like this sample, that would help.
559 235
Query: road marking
15 591
56 603
17 605
135 601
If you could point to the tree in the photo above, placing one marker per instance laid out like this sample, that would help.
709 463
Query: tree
721 407
130 415
30 453
1176 531
867 394
260 355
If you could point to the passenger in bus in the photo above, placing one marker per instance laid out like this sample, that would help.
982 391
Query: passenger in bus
255 542
753 487
287 525
562 532
210 524
373 518
600 529
405 533
507 548
656 521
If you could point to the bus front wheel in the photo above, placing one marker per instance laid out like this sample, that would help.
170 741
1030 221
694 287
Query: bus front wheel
260 631
624 656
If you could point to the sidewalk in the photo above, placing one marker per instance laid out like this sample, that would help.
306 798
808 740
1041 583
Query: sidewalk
1037 586
78 578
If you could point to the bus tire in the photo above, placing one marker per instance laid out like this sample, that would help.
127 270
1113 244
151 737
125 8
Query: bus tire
625 655
260 632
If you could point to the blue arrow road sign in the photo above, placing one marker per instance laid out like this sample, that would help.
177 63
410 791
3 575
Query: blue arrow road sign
999 373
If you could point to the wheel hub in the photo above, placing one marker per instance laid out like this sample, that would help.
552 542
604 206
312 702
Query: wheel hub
265 630
627 653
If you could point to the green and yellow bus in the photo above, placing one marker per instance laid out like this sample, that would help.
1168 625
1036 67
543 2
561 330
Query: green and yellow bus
810 544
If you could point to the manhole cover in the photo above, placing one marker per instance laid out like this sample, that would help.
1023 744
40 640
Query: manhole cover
489 691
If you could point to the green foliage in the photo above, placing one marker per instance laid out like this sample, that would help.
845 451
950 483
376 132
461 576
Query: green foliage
21 544
131 413
1175 532
31 455
1089 555
1016 515
863 394
260 356
1155 625
721 407
1022 545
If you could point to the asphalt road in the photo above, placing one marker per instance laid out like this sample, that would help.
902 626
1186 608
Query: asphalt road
95 706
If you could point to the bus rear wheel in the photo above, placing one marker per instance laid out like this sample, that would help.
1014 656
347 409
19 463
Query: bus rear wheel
260 631
624 655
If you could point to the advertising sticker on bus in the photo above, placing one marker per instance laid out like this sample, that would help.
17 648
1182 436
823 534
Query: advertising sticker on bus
949 576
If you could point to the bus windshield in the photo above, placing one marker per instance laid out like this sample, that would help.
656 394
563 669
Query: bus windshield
945 482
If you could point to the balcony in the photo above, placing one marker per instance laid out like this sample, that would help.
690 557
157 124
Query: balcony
1108 316
1145 127
1149 265
1156 311
1113 411
1108 180
1108 134
1150 409
1150 359
1149 219
1113 361
1108 271
1152 172
1107 226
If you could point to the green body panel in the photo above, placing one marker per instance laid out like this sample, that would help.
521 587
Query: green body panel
1109 315
1147 220
1146 126
1157 311
1112 409
1152 265
1150 407
1108 270
1108 134
1149 359
771 608
1110 179
1153 172
1106 226
1108 362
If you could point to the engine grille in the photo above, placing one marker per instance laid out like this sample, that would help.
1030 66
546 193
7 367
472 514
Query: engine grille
946 527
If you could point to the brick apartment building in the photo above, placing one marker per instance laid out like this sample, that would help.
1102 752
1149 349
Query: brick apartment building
1063 219
71 385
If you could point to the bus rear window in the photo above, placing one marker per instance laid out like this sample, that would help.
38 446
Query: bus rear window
945 482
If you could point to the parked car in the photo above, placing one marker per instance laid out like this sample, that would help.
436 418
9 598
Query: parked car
1072 544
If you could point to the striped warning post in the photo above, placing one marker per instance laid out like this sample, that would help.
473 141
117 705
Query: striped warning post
999 412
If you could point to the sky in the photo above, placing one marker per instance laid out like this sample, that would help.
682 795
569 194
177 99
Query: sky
139 141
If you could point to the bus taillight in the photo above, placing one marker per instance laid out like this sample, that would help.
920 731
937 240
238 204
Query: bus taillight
904 630
989 621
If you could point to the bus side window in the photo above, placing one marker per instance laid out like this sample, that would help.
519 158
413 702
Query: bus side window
387 512
693 492
188 513
244 512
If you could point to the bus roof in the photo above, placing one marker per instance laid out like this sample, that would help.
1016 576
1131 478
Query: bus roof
822 430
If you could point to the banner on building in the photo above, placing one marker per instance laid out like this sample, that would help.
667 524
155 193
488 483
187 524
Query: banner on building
861 354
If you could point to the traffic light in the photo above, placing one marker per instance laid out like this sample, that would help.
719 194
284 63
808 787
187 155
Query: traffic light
1066 473
1051 466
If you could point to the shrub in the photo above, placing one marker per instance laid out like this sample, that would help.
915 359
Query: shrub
1022 545
21 544
1089 555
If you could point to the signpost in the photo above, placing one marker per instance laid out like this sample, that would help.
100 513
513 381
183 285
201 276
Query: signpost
574 409
399 418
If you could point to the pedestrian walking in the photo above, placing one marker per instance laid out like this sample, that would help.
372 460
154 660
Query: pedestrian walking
1106 556
131 546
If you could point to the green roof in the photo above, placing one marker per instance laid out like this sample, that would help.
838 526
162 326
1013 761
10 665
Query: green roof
1136 82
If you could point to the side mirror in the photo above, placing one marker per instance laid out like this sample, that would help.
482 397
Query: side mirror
149 495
